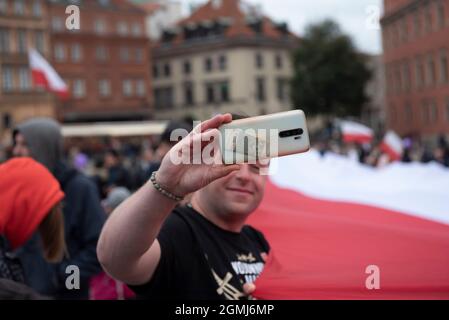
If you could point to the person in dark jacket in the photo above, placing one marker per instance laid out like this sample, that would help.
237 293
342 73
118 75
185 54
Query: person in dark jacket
165 144
118 176
41 139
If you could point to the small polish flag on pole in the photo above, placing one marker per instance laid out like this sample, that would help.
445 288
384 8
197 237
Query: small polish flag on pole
45 76
392 145
356 132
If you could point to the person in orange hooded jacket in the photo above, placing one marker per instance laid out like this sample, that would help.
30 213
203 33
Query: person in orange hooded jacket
31 201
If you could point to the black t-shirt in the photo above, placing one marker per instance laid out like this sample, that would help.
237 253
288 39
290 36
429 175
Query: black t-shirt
199 260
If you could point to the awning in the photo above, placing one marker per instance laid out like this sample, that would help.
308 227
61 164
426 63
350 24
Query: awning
114 129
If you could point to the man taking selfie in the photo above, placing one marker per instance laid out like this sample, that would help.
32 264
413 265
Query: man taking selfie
202 250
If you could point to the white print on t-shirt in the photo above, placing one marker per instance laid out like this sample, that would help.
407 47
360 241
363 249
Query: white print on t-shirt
225 288
250 271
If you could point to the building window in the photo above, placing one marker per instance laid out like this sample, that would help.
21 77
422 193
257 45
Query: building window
444 67
408 110
7 79
122 28
139 55
406 76
433 112
101 53
428 18
24 79
282 89
100 26
167 70
431 71
420 77
155 71
76 52
19 7
37 8
260 90
124 54
404 29
417 23
278 61
59 52
163 98
441 14
57 24
218 92
388 78
3 6
392 114
210 93
187 67
222 62
398 77
259 60
224 91
79 88
127 88
386 37
188 94
104 88
140 88
425 112
21 41
105 3
396 33
39 41
208 65
4 40
447 109
136 30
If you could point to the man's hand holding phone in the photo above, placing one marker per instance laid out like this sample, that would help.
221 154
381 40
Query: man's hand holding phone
187 177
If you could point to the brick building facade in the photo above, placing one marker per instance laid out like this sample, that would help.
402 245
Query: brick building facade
416 58
23 24
106 63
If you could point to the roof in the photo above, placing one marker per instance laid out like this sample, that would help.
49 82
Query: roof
150 7
233 18
115 5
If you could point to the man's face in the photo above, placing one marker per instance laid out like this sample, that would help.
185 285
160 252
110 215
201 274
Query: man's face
20 146
239 193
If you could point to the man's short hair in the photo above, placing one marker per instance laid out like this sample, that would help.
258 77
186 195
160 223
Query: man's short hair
174 125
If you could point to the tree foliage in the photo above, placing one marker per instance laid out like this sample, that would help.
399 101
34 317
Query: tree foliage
330 75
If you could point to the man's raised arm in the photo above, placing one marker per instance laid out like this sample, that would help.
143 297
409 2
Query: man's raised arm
128 249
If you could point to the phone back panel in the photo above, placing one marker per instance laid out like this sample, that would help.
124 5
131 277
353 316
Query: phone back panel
259 137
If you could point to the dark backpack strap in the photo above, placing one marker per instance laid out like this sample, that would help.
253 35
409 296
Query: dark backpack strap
10 265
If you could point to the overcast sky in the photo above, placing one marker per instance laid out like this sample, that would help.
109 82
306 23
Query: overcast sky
358 18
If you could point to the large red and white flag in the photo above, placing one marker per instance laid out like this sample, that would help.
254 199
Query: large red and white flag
44 75
392 145
342 230
355 132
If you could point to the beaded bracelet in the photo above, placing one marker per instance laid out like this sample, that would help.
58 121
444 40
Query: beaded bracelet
166 193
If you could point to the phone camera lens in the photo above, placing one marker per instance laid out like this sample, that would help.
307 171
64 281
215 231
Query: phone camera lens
291 133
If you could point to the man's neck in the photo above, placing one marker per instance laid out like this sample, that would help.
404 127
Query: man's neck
235 225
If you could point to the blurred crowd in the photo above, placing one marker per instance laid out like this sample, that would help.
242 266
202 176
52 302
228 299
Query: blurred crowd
94 176
414 149
56 187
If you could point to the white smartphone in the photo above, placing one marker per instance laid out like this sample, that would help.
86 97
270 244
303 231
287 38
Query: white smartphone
264 137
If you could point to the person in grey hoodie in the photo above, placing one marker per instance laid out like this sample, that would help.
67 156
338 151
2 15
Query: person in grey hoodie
41 139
